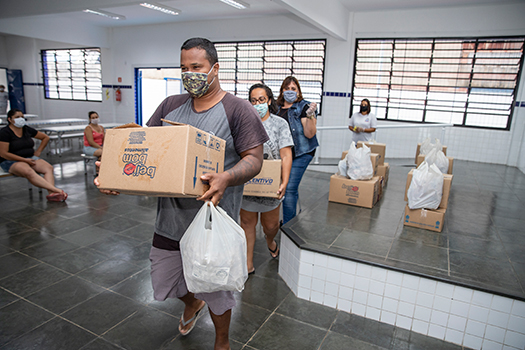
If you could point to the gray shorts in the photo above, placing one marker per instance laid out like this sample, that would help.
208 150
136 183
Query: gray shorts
168 281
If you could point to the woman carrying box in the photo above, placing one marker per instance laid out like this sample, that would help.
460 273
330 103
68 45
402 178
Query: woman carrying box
363 123
278 147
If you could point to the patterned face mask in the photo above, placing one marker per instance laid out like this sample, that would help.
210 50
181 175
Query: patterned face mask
196 83
262 109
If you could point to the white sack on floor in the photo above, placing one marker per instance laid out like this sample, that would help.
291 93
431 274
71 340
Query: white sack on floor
426 189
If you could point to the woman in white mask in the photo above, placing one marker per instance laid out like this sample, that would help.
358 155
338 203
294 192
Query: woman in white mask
279 146
301 116
18 156
93 136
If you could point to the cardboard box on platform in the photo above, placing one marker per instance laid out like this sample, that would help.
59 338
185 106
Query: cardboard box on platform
164 161
427 219
421 158
354 192
379 148
267 182
384 171
374 158
419 147
447 183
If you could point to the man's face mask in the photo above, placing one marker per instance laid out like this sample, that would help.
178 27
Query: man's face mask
196 83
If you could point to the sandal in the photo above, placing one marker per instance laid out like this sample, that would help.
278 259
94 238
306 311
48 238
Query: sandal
56 197
274 251
183 323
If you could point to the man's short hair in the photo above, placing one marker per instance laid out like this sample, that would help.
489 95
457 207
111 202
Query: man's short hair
203 44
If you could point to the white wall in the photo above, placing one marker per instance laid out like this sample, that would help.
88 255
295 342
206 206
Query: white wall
158 45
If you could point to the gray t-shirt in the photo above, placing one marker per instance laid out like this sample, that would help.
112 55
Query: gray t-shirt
232 119
280 137
364 121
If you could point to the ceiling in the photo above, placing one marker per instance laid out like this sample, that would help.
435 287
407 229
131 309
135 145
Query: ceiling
193 10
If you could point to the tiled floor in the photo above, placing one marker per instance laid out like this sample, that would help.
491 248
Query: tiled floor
75 275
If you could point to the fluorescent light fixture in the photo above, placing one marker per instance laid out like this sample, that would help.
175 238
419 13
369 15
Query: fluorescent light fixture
105 14
236 3
161 8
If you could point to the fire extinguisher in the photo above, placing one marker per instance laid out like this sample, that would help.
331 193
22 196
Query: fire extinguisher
118 95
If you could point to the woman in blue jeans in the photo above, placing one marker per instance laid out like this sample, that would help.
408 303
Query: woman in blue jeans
301 116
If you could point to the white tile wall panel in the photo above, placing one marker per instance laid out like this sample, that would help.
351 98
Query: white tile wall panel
472 318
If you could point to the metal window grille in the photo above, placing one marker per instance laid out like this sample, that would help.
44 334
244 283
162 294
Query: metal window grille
243 64
467 82
72 74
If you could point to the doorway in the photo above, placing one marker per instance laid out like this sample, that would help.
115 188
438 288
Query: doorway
153 86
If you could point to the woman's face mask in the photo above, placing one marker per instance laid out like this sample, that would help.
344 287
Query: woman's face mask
95 121
262 109
364 109
196 83
290 96
19 122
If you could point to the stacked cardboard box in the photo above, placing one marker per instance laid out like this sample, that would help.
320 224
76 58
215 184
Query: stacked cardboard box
425 218
355 192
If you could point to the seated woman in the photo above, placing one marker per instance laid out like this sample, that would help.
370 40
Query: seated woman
93 136
279 146
18 157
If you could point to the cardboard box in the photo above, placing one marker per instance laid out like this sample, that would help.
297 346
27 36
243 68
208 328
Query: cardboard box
384 171
447 183
427 219
379 148
267 182
374 158
419 146
163 161
421 158
354 192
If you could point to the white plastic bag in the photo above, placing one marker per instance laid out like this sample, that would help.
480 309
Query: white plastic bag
342 167
213 252
427 146
426 188
438 158
359 164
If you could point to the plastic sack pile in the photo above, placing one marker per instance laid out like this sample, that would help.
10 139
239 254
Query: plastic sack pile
357 164
427 146
426 188
213 251
438 158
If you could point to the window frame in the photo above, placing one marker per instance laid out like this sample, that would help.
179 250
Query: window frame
46 79
462 40
264 43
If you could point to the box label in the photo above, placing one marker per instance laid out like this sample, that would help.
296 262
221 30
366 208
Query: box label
134 160
202 139
137 137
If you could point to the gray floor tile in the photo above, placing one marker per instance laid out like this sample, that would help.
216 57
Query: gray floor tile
281 332
55 334
102 312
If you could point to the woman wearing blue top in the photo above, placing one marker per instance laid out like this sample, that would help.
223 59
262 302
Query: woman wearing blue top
301 116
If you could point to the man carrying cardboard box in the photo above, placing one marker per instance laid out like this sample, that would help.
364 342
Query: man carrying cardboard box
213 110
